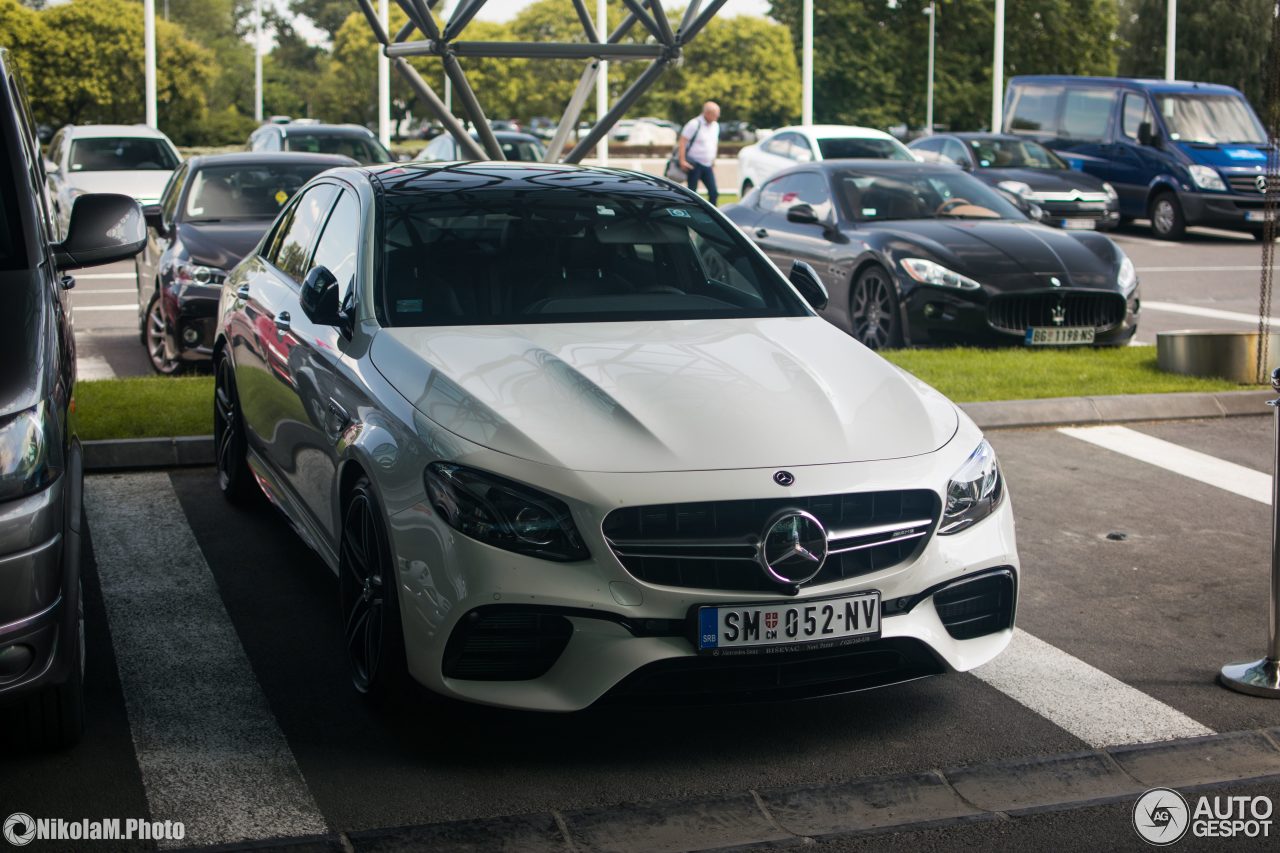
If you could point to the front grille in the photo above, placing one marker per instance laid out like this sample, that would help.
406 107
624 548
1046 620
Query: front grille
795 675
505 643
1060 210
712 544
1017 312
1244 184
975 608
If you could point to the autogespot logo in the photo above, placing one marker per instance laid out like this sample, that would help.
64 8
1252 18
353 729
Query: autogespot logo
1161 816
19 829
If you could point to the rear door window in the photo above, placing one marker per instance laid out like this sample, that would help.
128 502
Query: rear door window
1086 113
1035 109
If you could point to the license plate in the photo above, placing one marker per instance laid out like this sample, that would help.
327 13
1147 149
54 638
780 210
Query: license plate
1079 224
775 627
1059 336
1257 216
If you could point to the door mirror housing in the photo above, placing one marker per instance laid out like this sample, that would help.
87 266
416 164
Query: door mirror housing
802 214
154 215
103 227
806 280
51 168
1147 135
319 299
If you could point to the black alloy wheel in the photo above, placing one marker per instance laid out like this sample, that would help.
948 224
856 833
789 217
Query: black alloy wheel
367 592
873 310
1167 221
153 331
234 476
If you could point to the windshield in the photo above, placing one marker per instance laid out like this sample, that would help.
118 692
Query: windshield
850 148
121 154
1210 118
1014 154
366 150
930 195
245 192
523 149
503 258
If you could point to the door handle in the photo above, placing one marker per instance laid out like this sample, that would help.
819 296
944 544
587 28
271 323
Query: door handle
282 321
242 292
762 232
339 413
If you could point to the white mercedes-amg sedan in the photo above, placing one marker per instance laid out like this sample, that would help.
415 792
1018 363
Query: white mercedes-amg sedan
566 436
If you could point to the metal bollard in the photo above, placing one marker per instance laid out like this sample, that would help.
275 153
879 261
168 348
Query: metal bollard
1262 677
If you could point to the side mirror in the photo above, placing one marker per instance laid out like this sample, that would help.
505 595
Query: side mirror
803 214
806 280
51 168
319 298
103 227
154 215
1146 135
1035 211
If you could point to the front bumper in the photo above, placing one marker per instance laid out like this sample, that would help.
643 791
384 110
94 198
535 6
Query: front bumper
606 632
191 319
1224 210
936 315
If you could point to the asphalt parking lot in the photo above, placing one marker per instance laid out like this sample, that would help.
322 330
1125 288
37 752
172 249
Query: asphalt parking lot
1208 281
218 694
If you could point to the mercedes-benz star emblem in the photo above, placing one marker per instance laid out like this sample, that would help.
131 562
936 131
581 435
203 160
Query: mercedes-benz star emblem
784 478
1261 183
793 547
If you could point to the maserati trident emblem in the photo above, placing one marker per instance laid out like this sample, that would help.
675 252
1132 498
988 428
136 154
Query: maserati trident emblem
793 547
1261 183
784 478
1055 281
1059 314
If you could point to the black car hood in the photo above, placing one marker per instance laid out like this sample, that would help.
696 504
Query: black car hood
1000 250
1044 180
221 244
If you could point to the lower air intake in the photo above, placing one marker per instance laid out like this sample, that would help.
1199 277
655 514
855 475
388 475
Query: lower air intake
505 644
977 607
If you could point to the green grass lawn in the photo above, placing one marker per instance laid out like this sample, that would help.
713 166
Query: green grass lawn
157 406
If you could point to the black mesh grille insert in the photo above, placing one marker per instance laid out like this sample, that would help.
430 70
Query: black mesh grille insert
711 545
1017 312
504 643
975 608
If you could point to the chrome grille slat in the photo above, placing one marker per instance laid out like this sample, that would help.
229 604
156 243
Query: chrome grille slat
1017 312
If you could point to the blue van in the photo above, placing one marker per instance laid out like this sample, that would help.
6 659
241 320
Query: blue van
1177 153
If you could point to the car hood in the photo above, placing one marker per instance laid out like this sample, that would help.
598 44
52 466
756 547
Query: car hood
1239 156
1045 180
666 396
144 185
221 244
985 250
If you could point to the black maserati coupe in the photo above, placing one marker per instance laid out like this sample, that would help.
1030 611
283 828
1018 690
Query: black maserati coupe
921 253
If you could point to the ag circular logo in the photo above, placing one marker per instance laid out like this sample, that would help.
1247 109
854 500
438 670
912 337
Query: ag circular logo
1161 816
793 547
784 478
19 829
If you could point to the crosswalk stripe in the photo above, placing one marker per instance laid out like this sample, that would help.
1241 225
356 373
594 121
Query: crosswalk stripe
211 753
93 367
1238 479
1097 708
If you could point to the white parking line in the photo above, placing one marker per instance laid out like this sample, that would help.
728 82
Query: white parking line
1145 241
106 308
96 292
93 367
1190 269
209 748
105 275
1234 478
1209 313
1100 710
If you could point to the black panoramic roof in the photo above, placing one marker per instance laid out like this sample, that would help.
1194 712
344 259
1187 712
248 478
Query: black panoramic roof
257 158
417 178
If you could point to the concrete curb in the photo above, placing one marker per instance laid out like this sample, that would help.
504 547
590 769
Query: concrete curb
1004 790
185 451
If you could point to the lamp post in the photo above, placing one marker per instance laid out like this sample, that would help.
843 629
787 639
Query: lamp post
997 72
384 82
602 81
806 62
932 12
257 60
1170 38
149 59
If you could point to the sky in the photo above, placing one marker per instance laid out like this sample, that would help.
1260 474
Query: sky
505 10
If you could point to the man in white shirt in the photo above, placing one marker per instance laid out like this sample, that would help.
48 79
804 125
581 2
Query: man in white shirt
698 142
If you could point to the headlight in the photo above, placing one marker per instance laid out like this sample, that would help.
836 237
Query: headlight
189 273
30 455
1111 192
974 491
1127 277
504 514
1017 188
928 272
1206 178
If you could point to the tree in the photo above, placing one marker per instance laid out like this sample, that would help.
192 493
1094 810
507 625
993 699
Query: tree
1219 41
327 15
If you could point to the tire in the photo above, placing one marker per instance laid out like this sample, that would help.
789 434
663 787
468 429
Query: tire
874 318
234 477
53 719
153 340
1259 234
370 606
1167 221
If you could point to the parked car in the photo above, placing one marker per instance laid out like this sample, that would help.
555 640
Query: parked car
132 160
573 437
42 645
1177 153
788 146
1032 174
515 146
737 131
916 253
346 140
214 211
644 131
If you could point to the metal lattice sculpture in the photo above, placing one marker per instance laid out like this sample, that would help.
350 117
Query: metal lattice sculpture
665 50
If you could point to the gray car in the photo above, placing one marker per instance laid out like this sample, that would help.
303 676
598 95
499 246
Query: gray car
41 614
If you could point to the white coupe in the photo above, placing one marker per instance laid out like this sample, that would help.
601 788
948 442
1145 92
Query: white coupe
788 146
